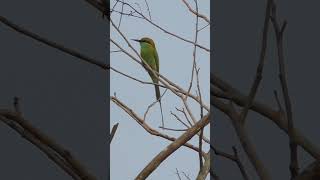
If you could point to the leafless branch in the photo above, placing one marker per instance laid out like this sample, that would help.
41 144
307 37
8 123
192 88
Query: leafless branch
205 169
258 76
235 158
152 104
196 12
164 30
47 145
257 106
246 143
178 174
148 9
121 15
171 129
294 166
52 43
143 124
186 136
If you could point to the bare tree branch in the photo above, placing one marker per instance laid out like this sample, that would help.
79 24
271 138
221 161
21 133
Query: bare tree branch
243 138
205 169
150 130
294 166
164 30
273 115
52 43
258 77
196 12
157 160
19 124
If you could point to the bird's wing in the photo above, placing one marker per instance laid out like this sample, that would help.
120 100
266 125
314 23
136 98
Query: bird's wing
156 57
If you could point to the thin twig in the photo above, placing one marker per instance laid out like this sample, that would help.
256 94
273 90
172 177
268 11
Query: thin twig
46 140
166 31
294 166
172 129
178 174
186 136
52 43
144 125
121 15
196 12
243 137
259 71
264 110
135 79
185 115
185 175
148 9
178 118
152 104
235 158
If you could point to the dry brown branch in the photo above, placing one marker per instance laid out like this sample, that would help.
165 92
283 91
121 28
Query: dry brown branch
143 124
43 142
179 119
185 115
196 12
205 169
246 143
52 43
172 129
185 137
273 115
258 76
294 166
51 155
235 158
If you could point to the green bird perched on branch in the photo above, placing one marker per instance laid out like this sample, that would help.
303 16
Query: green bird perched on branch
149 55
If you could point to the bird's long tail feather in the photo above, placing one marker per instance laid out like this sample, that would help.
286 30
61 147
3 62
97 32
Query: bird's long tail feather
158 98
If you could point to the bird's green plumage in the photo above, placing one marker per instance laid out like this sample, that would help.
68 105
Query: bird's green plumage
150 56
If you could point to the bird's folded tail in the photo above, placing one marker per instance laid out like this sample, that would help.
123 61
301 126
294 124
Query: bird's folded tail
158 99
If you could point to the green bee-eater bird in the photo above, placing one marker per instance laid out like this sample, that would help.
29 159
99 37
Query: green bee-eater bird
150 56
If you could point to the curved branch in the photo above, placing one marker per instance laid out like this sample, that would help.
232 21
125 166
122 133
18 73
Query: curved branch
38 138
185 137
196 12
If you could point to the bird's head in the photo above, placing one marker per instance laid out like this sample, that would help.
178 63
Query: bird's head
145 41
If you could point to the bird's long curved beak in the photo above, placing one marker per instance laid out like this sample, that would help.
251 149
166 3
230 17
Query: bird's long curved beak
136 40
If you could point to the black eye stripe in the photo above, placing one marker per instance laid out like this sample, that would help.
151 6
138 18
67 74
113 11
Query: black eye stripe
145 41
